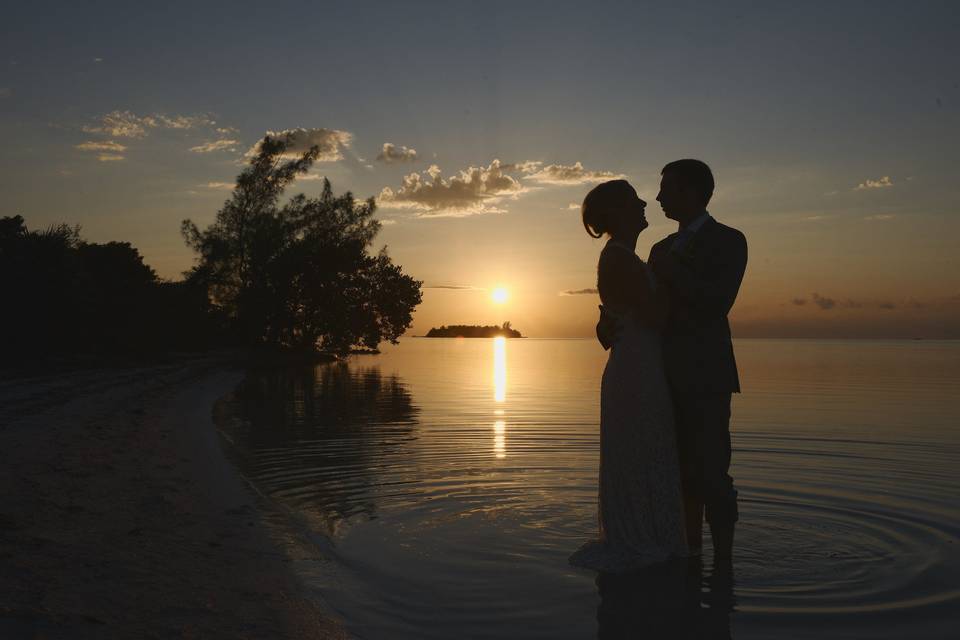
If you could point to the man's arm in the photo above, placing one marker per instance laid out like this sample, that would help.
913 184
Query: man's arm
608 329
714 291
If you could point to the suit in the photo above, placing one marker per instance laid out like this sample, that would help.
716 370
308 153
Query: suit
702 278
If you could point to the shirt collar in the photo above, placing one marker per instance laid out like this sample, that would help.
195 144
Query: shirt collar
698 222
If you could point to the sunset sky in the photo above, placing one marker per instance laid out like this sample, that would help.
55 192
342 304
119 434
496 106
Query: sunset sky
832 130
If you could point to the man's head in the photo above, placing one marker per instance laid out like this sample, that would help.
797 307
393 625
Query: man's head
686 187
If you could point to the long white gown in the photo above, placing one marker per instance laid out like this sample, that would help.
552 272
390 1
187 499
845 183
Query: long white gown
640 508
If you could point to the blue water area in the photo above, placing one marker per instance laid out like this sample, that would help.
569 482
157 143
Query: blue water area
446 481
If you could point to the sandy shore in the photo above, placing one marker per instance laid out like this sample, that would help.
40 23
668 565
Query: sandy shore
120 516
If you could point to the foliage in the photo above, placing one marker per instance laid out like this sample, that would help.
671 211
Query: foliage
66 296
299 275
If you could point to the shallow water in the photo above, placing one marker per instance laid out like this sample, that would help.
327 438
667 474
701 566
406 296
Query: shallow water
448 481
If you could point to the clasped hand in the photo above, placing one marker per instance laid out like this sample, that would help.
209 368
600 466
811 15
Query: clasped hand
609 328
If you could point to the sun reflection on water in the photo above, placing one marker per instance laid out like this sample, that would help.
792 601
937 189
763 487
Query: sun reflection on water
499 395
500 439
499 369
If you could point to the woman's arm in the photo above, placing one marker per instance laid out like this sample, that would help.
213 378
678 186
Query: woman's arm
623 284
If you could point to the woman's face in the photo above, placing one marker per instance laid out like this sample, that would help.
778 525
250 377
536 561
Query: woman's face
632 219
637 216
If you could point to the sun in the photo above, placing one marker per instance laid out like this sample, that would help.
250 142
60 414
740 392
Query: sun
499 295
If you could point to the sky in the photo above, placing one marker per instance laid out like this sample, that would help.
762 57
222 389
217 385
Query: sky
832 129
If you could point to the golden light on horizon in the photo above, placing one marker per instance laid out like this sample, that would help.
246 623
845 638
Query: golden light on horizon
500 295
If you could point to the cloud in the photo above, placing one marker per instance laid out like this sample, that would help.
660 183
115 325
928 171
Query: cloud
559 174
183 122
98 59
827 304
214 145
125 124
523 167
815 218
219 185
307 177
388 221
573 206
472 191
455 287
5 92
331 142
875 184
107 145
882 216
392 153
824 303
110 157
578 292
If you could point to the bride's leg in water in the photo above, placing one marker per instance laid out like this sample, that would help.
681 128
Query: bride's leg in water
693 514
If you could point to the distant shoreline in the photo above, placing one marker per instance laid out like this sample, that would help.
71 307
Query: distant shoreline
494 336
473 331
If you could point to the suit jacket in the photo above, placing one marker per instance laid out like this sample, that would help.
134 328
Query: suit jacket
702 281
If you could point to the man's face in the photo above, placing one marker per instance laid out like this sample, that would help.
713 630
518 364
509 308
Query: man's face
677 201
670 195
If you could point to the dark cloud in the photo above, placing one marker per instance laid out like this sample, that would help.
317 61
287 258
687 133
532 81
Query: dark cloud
799 301
824 303
457 287
578 292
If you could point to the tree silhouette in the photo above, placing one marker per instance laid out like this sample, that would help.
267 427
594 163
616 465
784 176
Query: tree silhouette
299 275
64 296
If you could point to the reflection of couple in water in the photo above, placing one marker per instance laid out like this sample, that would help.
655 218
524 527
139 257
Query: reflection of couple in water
666 600
665 393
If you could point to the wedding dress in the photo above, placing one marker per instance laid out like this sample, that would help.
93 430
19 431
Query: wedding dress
640 508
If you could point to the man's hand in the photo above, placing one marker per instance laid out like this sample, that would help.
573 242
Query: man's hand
608 329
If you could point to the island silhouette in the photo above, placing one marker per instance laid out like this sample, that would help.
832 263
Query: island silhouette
473 331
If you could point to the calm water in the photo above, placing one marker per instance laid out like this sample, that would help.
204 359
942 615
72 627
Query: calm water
448 481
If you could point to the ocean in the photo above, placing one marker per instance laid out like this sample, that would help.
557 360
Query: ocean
446 481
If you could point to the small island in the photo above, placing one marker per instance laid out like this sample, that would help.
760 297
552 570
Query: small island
473 331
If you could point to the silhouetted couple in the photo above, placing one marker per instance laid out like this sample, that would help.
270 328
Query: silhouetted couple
666 389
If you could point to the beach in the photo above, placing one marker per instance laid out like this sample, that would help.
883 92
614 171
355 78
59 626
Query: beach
121 517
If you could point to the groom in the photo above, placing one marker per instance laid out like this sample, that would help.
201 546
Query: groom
701 267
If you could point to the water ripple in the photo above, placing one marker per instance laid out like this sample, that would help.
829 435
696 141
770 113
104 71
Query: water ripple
452 499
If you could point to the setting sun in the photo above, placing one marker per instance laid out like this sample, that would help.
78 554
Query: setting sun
499 295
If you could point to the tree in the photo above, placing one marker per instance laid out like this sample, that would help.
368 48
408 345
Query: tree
65 296
299 275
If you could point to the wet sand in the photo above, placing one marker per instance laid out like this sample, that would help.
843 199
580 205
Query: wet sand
121 517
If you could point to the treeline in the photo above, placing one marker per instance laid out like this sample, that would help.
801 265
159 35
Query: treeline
296 276
473 331
64 296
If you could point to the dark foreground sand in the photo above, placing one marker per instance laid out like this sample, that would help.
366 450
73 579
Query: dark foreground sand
121 518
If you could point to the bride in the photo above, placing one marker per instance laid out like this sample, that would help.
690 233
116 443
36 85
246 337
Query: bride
640 508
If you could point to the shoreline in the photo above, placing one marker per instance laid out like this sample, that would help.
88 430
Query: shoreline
121 516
